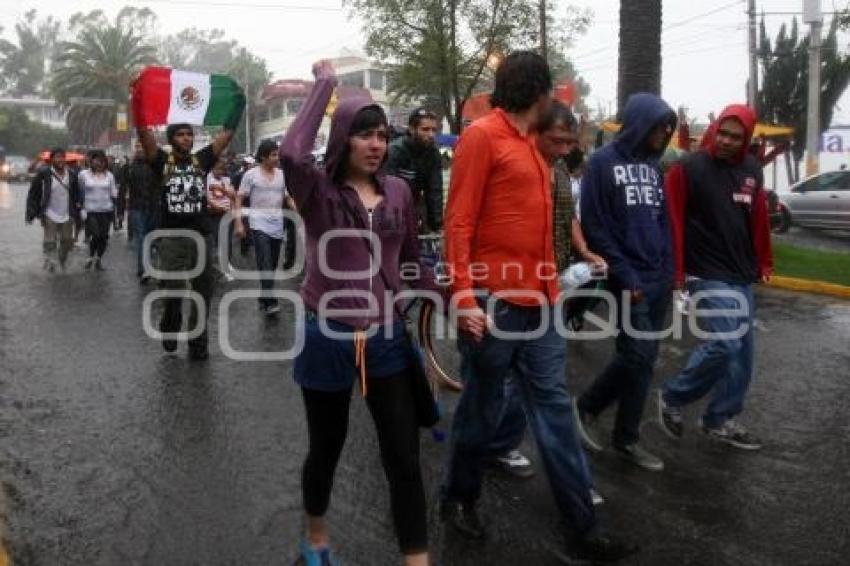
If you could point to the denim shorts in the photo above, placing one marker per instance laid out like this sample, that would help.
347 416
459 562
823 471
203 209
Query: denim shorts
326 363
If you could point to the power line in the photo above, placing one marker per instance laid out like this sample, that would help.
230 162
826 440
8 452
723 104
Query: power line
225 4
676 43
704 14
673 56
673 25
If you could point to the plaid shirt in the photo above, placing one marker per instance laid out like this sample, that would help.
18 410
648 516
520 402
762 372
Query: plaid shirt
563 211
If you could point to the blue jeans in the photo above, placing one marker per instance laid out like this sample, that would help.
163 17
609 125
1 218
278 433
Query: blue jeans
512 422
724 364
628 377
267 252
537 364
142 223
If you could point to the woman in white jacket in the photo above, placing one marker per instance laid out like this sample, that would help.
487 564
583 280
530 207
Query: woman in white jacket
99 189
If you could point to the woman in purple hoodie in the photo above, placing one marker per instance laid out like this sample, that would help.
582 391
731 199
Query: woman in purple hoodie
351 327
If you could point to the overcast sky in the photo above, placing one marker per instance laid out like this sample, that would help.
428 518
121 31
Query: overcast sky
704 41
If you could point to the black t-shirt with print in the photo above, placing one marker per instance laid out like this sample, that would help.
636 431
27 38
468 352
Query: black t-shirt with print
183 185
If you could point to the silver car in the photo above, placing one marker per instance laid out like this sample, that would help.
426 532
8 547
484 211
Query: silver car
821 201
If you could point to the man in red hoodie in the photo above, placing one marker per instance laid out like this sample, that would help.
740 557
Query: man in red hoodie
721 246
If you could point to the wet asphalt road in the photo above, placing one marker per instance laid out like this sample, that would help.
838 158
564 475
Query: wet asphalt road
113 453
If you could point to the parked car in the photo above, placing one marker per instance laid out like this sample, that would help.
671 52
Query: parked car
15 168
821 201
780 218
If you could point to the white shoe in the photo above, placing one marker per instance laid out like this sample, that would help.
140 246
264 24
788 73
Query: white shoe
596 497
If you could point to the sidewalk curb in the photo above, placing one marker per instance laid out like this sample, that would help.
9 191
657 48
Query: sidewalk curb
809 286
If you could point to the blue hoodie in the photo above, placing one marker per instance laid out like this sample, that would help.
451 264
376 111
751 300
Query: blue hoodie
623 208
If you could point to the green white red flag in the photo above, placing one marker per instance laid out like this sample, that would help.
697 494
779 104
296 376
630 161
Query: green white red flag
169 96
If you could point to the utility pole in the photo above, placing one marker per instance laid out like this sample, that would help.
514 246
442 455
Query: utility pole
753 84
813 16
544 49
247 119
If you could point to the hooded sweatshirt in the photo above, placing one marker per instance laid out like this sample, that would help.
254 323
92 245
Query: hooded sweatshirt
718 210
623 207
340 275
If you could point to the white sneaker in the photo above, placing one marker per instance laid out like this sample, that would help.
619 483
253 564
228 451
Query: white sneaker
596 497
515 463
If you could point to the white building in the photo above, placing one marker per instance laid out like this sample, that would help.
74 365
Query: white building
44 111
281 100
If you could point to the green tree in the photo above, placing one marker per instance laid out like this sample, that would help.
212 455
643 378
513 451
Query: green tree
208 51
783 98
639 67
98 64
20 135
443 50
23 66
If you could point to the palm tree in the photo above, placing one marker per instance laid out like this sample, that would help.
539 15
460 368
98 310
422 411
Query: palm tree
98 65
640 49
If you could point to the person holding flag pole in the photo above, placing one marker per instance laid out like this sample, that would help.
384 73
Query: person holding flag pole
181 100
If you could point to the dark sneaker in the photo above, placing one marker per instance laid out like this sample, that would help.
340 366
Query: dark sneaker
89 263
601 549
315 556
586 425
514 463
734 434
636 454
271 309
463 518
670 418
199 354
169 344
99 265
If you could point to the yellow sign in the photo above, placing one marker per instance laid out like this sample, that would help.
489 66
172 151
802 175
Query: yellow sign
332 104
121 121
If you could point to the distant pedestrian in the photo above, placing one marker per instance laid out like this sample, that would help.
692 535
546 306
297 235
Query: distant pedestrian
143 204
55 199
265 186
221 198
99 191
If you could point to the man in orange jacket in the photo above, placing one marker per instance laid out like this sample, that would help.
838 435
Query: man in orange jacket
500 253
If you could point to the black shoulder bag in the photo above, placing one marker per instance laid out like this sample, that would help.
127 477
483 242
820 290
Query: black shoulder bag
426 406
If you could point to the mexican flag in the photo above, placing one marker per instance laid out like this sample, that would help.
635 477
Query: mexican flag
169 96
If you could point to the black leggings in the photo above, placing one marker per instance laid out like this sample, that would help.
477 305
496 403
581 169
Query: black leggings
98 224
390 400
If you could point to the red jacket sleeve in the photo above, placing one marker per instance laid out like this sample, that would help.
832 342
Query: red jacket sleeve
676 186
761 235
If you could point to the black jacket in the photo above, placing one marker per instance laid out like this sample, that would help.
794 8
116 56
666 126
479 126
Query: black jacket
142 187
39 194
422 168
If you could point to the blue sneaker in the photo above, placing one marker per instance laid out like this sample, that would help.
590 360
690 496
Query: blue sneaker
315 556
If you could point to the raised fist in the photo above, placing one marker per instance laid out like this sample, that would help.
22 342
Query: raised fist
323 69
